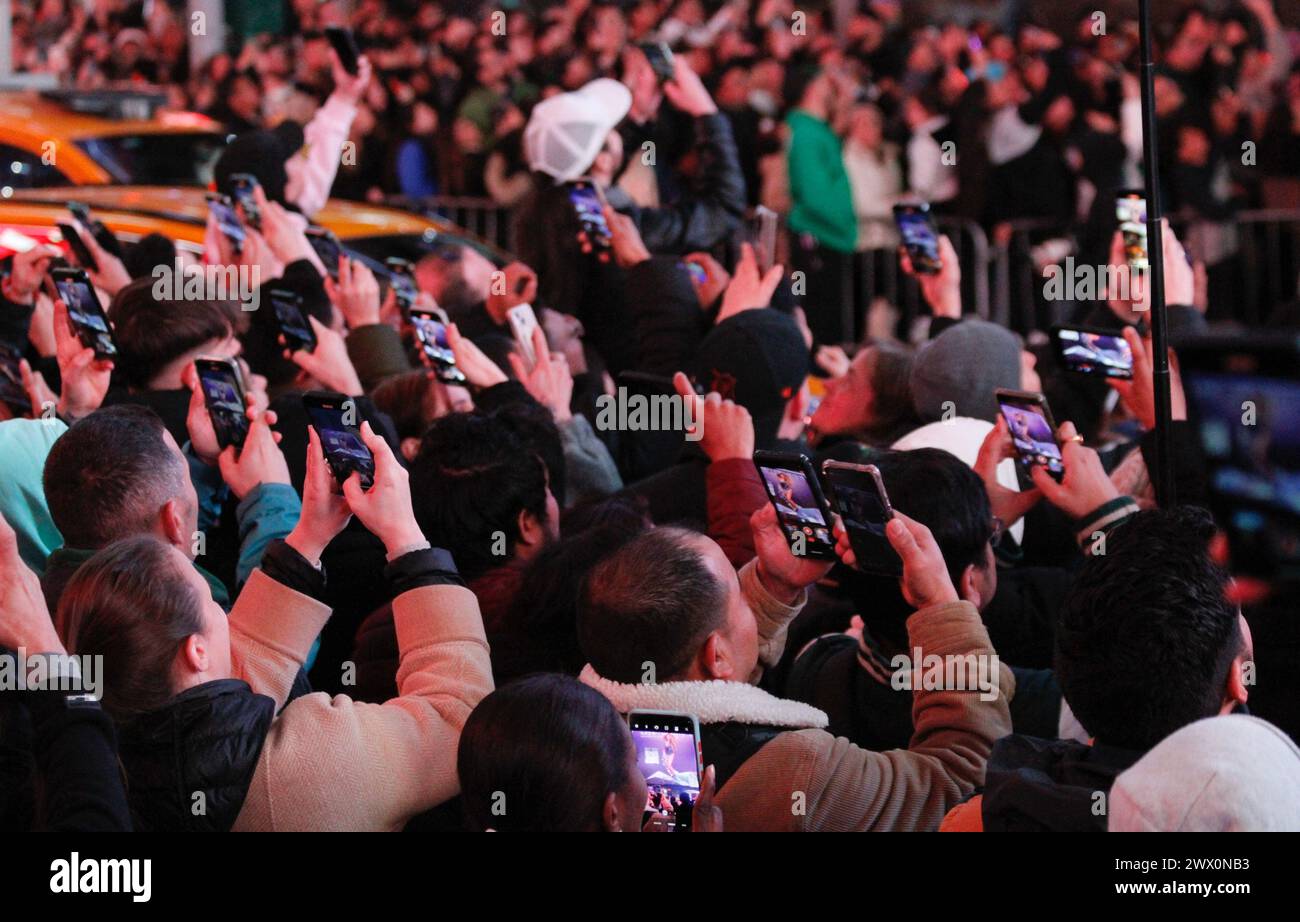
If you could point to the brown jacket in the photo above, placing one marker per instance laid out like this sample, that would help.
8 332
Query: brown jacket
336 764
805 779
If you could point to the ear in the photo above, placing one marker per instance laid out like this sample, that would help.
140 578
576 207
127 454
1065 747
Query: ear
531 532
1237 690
172 522
714 660
410 448
609 814
969 588
193 654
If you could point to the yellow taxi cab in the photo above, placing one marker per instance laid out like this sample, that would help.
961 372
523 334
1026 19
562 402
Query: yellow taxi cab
82 137
29 216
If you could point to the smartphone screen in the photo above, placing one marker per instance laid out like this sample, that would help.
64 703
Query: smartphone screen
920 237
1032 431
668 754
327 247
590 213
332 416
857 493
223 394
228 221
78 247
431 334
1131 210
84 310
522 324
12 391
792 487
1090 352
401 275
293 323
244 184
345 46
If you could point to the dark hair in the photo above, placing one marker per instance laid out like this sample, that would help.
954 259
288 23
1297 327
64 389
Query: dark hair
108 475
541 755
534 426
1146 634
147 253
471 479
403 398
152 332
131 604
891 373
653 601
540 630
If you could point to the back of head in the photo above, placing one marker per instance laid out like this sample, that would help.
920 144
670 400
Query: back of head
759 359
1223 774
130 604
891 389
470 480
1146 635
551 747
534 426
956 373
651 603
153 332
109 474
149 252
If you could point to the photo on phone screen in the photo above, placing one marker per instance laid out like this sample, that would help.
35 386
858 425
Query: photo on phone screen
1032 430
327 247
522 324
223 394
792 487
920 237
344 43
668 755
1093 352
244 184
857 493
12 392
228 221
85 258
293 323
1131 211
73 288
431 334
331 415
590 213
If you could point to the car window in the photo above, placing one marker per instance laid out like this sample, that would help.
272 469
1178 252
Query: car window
22 169
157 159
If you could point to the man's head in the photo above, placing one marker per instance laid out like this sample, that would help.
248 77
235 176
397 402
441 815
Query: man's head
118 473
667 604
160 337
458 277
957 372
481 493
1147 640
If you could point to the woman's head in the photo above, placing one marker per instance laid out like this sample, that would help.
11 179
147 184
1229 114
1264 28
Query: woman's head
547 753
143 606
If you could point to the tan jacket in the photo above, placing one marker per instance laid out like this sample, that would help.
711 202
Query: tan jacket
806 780
336 764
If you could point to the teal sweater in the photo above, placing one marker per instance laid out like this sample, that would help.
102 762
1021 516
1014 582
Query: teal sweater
819 185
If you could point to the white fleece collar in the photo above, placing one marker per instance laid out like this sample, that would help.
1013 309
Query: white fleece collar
712 702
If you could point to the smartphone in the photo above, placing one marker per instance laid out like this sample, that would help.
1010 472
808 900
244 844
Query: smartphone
85 313
671 759
97 229
522 324
589 208
802 510
244 184
660 57
762 237
1090 352
327 247
696 272
228 221
401 275
334 418
857 493
1243 402
431 333
223 394
78 246
292 321
1032 430
12 391
344 43
1131 210
920 236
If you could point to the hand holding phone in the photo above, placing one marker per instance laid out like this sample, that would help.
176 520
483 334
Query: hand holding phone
85 258
589 208
671 760
857 494
344 43
802 512
1095 353
292 320
1032 431
1131 212
334 417
86 316
223 210
431 334
920 237
522 324
1084 487
243 185
222 386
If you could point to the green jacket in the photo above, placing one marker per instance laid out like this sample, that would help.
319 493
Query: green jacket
819 185
24 445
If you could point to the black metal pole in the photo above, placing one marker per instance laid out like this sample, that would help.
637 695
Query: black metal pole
1162 473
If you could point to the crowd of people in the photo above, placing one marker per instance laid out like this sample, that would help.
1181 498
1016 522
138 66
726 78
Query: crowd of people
473 617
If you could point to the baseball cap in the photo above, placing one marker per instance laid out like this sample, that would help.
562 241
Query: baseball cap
566 132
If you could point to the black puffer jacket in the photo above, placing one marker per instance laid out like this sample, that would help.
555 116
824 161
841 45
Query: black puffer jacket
205 741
